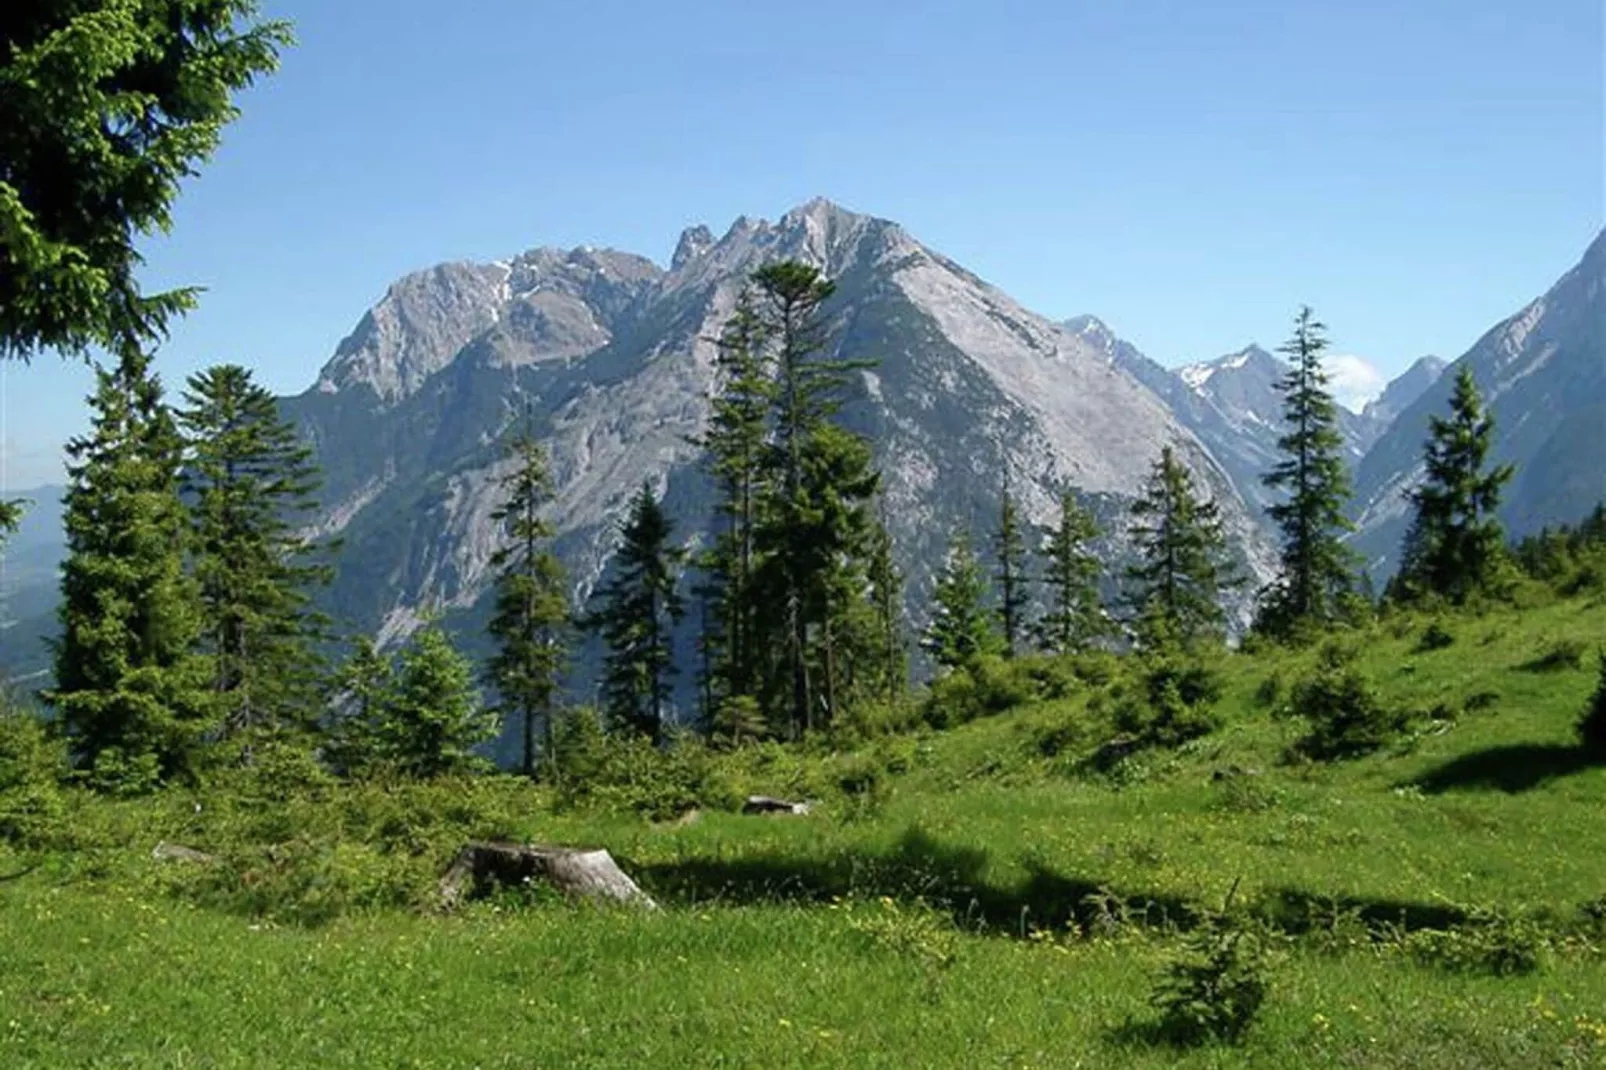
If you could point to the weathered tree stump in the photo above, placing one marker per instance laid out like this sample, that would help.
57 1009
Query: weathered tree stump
177 852
764 804
584 874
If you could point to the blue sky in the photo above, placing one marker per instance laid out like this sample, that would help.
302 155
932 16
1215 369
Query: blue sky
1190 172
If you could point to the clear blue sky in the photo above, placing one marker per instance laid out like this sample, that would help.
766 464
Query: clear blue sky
1188 171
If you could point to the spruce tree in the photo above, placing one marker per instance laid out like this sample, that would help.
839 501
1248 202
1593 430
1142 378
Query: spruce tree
364 687
132 694
249 483
1009 549
531 611
891 668
961 628
1456 541
1181 549
431 719
1075 618
640 606
1317 568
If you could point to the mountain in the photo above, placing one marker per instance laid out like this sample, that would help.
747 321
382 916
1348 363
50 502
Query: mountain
1233 406
1543 374
29 583
612 356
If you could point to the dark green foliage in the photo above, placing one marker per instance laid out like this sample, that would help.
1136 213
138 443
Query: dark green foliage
1455 543
1182 548
1559 655
1492 943
249 484
960 630
32 765
890 668
738 720
1317 568
10 517
1436 636
1592 729
431 719
132 694
1173 701
364 688
1569 559
1075 618
1347 717
104 108
640 605
987 685
1215 988
625 773
1009 559
531 615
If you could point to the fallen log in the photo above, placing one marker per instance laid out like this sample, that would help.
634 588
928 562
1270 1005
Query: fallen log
764 804
177 852
584 874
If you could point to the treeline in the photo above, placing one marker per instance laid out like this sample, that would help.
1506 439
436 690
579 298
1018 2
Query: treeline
189 638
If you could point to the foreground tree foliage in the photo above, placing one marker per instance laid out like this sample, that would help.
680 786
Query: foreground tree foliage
1317 568
249 482
134 696
1181 555
531 618
1075 619
1456 542
105 106
640 606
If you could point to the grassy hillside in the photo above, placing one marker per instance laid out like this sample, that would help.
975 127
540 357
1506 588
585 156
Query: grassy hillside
984 895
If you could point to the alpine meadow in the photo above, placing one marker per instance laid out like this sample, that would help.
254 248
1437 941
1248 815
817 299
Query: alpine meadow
803 654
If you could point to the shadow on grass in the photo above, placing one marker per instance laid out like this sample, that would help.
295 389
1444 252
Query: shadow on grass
1298 912
1512 769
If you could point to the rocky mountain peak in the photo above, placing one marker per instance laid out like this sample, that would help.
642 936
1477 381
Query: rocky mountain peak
694 242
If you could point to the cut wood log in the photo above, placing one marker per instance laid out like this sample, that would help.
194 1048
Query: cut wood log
764 804
584 874
177 852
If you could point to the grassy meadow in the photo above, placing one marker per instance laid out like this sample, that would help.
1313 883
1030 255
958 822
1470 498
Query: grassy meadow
981 895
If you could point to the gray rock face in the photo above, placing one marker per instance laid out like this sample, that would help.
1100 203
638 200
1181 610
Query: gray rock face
1543 373
1400 394
614 360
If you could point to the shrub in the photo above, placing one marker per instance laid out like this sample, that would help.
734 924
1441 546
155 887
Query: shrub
1491 943
1436 636
988 685
32 765
1346 715
1592 729
1557 656
1215 988
627 774
1173 703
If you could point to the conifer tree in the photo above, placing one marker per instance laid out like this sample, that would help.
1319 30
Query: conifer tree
891 669
249 481
132 694
640 606
432 719
10 518
531 610
1456 540
1181 549
1009 549
961 628
1317 568
1075 618
364 687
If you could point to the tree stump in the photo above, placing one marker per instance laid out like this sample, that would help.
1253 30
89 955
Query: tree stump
584 874
177 852
764 804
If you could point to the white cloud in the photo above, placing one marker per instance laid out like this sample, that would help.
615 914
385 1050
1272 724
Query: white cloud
1353 380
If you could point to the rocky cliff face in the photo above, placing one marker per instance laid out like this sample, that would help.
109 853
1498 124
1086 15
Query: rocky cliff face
613 358
1543 374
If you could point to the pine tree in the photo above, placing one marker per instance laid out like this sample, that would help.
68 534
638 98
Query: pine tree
641 605
1009 548
131 692
814 524
891 669
248 480
1181 549
1075 618
961 629
531 611
1456 540
433 720
364 688
1317 568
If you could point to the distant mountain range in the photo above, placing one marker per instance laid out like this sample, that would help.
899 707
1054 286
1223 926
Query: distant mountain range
613 355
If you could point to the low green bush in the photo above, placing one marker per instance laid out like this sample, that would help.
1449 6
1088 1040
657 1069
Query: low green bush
1347 717
1436 636
1215 988
33 763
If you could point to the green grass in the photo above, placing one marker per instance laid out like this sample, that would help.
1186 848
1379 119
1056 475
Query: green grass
955 920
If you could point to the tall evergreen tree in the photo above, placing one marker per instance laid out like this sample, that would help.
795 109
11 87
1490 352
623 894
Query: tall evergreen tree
891 668
815 523
1181 549
961 629
431 718
1009 550
640 606
1456 540
132 694
248 480
531 615
1075 618
1317 568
